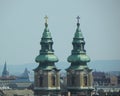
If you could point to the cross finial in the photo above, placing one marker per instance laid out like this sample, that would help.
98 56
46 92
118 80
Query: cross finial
78 18
46 19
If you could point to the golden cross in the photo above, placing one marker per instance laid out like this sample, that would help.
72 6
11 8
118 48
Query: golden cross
78 18
46 19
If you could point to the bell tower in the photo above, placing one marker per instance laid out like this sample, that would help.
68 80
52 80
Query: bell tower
46 75
79 75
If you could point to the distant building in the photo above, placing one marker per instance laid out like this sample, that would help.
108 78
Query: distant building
106 84
14 82
118 80
6 79
113 80
100 79
24 77
105 79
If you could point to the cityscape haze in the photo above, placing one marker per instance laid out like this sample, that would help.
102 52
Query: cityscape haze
88 64
22 25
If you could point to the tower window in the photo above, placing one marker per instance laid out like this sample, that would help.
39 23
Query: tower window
41 81
82 47
85 80
73 80
53 80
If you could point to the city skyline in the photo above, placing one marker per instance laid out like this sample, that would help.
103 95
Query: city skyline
22 25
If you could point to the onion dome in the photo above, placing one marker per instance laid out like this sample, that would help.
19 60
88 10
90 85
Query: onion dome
78 52
46 52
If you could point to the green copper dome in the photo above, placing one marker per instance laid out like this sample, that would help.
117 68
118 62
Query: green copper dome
78 52
46 52
78 58
46 58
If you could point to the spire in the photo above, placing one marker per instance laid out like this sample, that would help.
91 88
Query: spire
46 19
78 33
46 33
5 72
5 67
78 52
78 18
46 22
46 52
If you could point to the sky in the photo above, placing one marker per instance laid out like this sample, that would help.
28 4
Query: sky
22 25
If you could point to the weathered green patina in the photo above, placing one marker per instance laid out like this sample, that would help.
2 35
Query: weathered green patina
46 66
47 75
46 33
78 53
78 33
79 58
46 52
46 58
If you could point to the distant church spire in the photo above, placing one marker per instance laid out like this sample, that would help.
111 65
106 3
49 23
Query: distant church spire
5 73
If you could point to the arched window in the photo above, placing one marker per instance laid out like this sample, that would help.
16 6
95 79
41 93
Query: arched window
85 80
78 47
73 80
53 80
41 81
46 47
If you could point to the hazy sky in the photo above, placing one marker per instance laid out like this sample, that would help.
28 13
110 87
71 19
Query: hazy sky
22 25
